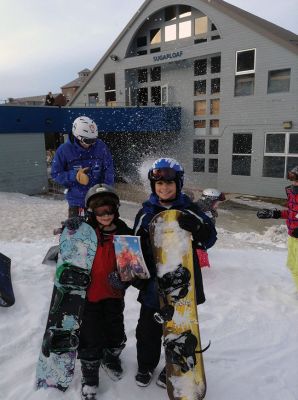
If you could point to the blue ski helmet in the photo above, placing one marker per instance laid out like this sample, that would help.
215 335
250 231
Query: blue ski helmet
166 169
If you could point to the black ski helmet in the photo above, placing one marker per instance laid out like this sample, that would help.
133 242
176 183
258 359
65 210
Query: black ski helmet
100 195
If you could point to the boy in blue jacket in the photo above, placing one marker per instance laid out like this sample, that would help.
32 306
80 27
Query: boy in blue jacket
82 162
166 179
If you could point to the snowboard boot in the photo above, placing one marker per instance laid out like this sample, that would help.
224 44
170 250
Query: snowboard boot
143 378
111 363
89 392
90 379
162 378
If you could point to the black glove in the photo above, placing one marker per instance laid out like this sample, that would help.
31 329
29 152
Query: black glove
189 223
73 223
265 213
115 281
295 233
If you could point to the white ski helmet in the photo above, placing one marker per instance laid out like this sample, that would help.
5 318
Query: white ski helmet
213 194
85 130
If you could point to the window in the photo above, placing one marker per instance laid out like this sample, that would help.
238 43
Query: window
198 165
200 127
155 50
215 64
141 52
279 81
142 75
184 29
184 11
213 146
214 127
241 157
244 85
92 99
215 37
199 87
215 86
142 41
142 94
199 146
156 95
200 107
155 74
245 61
110 89
214 106
280 154
170 32
201 25
200 67
155 36
213 165
170 13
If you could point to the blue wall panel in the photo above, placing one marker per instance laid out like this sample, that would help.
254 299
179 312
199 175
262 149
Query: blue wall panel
34 119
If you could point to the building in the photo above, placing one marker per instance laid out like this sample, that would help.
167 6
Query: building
70 88
235 77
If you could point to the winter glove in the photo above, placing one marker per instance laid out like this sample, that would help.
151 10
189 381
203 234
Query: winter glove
115 281
265 213
73 223
295 233
82 176
200 231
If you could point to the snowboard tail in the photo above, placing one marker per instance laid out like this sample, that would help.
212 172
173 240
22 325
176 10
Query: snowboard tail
173 255
57 357
7 298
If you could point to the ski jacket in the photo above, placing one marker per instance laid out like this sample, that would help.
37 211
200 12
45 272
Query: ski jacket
291 214
104 263
149 295
70 157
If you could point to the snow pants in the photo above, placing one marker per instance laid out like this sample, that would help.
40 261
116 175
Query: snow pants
102 328
292 261
148 335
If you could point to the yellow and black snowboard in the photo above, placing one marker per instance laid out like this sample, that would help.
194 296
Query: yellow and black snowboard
172 247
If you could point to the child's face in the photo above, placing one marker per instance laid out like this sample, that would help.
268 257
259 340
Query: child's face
165 190
295 183
104 215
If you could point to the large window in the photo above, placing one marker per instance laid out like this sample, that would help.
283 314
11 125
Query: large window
280 154
245 72
110 89
200 67
241 157
279 81
92 99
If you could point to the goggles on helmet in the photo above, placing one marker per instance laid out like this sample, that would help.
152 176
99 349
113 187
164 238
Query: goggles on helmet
162 174
87 140
292 176
105 211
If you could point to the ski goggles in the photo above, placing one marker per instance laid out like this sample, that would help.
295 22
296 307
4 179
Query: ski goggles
292 176
106 212
163 174
87 140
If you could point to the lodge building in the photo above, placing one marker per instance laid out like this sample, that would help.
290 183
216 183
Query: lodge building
235 77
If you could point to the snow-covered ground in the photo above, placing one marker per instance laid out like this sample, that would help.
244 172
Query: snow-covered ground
250 316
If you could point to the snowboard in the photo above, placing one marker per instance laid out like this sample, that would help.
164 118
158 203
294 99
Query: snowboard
7 298
56 363
173 254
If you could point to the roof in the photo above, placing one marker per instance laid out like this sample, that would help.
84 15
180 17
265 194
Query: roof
78 81
272 31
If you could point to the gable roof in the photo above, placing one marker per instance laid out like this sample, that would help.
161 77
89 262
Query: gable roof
272 31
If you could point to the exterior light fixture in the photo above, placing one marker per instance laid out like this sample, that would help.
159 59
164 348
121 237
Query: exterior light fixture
287 124
113 57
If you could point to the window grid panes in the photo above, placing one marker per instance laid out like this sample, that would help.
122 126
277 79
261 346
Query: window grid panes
199 165
199 146
245 61
280 154
279 81
241 157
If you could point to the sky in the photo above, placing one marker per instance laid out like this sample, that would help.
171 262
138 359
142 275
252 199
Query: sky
44 44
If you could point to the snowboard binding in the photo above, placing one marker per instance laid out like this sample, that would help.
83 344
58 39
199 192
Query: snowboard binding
59 341
181 350
175 283
165 314
69 278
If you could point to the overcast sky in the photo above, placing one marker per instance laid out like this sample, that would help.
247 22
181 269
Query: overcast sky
45 43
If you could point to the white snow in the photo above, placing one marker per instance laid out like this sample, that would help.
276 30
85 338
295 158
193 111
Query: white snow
250 316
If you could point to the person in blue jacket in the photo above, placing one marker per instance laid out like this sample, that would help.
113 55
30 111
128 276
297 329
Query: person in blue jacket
166 179
82 162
